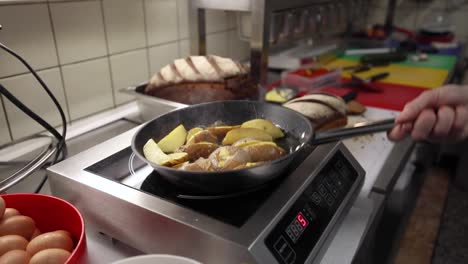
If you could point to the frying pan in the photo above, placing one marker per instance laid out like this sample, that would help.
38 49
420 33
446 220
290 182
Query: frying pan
297 128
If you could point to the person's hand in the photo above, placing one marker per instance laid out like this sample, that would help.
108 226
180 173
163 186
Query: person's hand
436 115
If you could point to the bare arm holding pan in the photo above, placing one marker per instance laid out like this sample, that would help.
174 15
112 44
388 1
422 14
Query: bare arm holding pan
437 115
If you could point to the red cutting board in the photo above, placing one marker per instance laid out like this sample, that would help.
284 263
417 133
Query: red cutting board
393 96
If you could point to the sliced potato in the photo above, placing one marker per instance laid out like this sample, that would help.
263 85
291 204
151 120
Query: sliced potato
265 125
241 133
203 136
248 141
249 165
174 140
228 158
175 158
200 150
193 131
153 153
264 151
180 165
221 131
200 164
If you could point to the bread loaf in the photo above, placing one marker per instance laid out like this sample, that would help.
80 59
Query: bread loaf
325 111
199 79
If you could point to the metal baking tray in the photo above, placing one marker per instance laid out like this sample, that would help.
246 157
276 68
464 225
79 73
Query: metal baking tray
150 106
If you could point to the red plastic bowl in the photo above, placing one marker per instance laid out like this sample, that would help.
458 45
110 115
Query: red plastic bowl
50 214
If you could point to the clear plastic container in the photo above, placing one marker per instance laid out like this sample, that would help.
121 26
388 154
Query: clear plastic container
307 84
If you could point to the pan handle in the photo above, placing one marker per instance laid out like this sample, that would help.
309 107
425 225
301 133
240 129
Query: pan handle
358 129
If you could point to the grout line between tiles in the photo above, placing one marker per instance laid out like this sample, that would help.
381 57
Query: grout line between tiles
177 2
6 118
103 18
145 24
62 79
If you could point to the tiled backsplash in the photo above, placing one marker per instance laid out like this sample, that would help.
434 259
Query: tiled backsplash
87 50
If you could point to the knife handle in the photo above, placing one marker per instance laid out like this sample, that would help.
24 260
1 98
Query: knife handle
349 96
378 77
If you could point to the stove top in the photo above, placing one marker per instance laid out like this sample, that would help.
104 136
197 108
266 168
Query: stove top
291 220
232 208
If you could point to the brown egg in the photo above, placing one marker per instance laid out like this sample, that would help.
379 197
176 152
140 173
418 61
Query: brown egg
65 232
9 212
2 207
15 257
50 256
11 242
50 240
17 225
36 233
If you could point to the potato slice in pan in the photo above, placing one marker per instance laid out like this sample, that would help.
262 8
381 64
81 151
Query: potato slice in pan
154 154
228 158
175 158
264 151
265 125
248 141
221 131
200 150
241 133
202 136
193 131
174 140
200 164
249 165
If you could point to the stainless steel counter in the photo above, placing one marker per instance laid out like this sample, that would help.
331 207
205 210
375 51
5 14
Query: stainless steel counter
353 231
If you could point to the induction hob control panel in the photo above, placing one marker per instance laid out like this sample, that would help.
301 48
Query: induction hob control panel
298 231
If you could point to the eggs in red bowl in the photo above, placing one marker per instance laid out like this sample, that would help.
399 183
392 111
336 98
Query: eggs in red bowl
51 227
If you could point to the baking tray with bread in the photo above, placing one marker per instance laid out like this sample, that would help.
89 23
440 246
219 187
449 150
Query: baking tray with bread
200 79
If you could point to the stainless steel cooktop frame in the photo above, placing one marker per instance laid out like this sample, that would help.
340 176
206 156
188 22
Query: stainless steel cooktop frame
154 225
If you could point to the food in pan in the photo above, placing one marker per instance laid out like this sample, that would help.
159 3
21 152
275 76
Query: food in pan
173 140
199 79
264 125
218 148
241 133
325 111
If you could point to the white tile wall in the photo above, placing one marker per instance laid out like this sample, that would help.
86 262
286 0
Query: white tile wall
182 14
4 133
88 87
88 50
125 25
21 24
161 21
79 30
28 90
184 48
162 55
217 44
128 69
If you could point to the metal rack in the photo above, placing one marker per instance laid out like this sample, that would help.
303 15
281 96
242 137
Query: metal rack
269 18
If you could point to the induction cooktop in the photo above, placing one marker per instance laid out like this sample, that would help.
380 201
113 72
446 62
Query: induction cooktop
289 220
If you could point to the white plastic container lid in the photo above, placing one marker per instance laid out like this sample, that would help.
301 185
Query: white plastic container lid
157 259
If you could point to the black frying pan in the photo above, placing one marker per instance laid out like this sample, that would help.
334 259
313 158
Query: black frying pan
297 128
